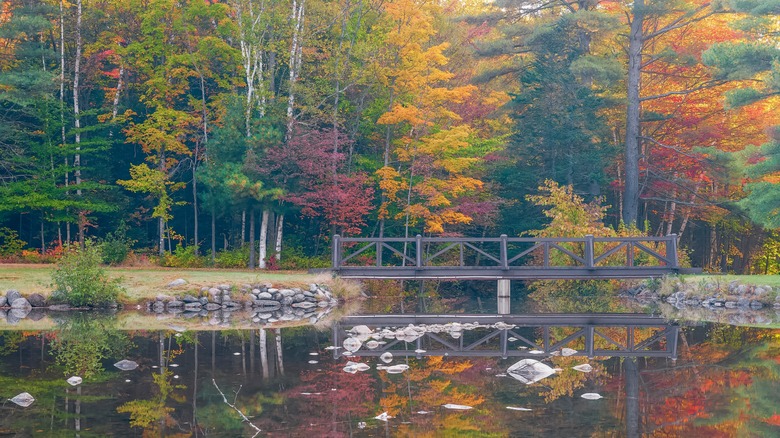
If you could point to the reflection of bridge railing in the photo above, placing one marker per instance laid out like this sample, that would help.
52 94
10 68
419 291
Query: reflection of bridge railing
505 257
529 336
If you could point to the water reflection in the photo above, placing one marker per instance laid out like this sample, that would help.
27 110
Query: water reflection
232 383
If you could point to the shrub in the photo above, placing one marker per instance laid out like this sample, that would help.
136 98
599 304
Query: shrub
10 243
79 280
184 257
116 246
233 258
295 259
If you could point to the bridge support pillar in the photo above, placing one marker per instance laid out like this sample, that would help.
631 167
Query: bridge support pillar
504 293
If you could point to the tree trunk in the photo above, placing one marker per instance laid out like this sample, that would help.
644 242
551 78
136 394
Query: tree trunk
195 199
252 238
279 355
296 17
635 42
243 227
264 352
77 115
279 227
161 230
263 240
213 234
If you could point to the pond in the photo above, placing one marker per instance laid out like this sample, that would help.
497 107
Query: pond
390 374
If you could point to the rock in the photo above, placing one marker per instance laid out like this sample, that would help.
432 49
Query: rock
189 299
759 291
257 291
11 318
203 312
313 288
304 305
36 314
126 365
37 300
756 305
733 284
215 291
3 301
224 287
731 305
212 307
20 303
286 301
59 307
175 304
264 296
742 289
265 315
162 297
267 304
287 292
322 304
177 282
203 301
24 399
189 315
743 302
11 295
287 317
158 307
225 298
297 298
232 305
192 307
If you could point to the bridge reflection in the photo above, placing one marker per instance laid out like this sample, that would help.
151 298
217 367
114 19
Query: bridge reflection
517 336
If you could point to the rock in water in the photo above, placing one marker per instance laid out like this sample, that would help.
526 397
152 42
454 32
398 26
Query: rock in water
20 303
75 380
529 371
386 357
457 407
585 368
591 396
126 365
24 399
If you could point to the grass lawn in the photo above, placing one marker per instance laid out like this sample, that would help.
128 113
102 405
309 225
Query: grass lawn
755 280
145 283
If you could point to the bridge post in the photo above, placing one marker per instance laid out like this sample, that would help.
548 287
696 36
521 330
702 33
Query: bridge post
419 251
589 251
336 257
504 256
503 295
671 250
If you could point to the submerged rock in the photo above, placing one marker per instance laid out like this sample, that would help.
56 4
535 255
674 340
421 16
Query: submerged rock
24 399
126 365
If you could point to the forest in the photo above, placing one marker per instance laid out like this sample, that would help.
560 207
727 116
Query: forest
237 133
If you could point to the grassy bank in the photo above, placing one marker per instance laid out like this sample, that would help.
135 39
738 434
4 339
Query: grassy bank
145 283
755 280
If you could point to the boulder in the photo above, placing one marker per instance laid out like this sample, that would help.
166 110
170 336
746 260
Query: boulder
177 282
158 307
189 299
264 296
36 314
224 287
212 307
11 295
21 303
192 307
175 304
304 305
18 313
203 301
287 292
299 298
37 300
3 301
267 305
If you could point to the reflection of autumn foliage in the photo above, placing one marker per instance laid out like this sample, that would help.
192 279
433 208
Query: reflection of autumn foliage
564 383
330 399
725 387
148 414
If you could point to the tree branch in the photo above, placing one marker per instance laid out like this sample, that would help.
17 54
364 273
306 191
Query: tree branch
708 84
680 22
224 399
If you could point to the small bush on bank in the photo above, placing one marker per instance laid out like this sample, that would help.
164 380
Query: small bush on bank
236 258
116 246
294 259
80 281
184 257
10 243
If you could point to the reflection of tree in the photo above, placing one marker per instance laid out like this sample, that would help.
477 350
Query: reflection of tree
330 398
724 387
149 413
83 341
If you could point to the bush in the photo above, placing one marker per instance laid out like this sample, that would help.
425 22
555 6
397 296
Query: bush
184 257
79 280
116 246
233 258
294 259
10 243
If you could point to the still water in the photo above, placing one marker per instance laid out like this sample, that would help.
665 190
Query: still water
446 374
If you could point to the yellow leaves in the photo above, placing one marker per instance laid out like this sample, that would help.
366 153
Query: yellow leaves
390 182
401 114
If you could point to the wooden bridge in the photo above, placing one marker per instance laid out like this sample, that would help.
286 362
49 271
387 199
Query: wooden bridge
506 258
532 336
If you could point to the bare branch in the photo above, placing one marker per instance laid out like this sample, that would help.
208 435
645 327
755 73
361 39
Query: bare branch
681 22
224 399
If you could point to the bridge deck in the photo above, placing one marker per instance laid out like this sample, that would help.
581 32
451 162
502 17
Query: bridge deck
515 258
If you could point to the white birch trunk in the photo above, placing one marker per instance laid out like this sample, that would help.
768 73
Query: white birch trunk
279 227
76 114
263 240
296 17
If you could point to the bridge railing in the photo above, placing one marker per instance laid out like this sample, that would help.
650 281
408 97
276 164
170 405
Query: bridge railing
505 252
